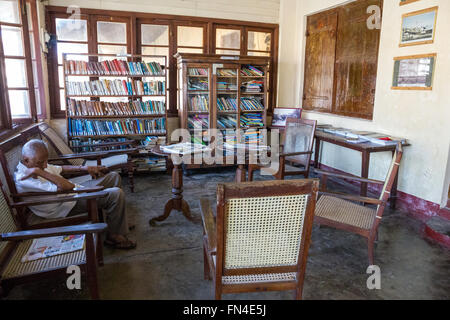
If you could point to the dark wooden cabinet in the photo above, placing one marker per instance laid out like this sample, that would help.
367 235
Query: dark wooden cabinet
341 61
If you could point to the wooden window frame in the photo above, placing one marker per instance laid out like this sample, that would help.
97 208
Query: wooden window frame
8 125
209 25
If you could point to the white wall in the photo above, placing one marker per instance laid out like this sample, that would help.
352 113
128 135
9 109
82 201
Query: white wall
248 10
423 117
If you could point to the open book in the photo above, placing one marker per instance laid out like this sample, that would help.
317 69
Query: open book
51 246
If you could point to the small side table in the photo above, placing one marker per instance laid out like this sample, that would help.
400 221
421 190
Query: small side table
177 202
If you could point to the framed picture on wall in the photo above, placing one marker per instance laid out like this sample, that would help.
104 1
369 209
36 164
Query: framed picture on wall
281 114
414 72
403 2
418 27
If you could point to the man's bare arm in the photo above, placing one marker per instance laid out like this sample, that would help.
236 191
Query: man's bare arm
61 183
94 171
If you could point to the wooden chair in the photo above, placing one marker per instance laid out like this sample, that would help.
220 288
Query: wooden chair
296 149
113 159
334 209
260 238
14 243
10 155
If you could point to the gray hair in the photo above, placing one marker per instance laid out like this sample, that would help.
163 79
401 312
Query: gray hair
31 147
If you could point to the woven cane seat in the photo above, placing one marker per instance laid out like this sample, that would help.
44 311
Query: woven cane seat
346 212
16 268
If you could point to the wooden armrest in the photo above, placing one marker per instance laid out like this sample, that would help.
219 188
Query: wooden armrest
352 197
288 154
52 232
53 199
94 154
347 176
209 223
34 194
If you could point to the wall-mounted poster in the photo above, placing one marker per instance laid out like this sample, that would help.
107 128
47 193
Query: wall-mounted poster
403 2
414 72
281 114
418 27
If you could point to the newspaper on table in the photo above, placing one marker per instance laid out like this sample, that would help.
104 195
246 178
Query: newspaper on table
247 146
185 148
52 246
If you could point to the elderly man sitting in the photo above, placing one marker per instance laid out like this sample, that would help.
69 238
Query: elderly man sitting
34 174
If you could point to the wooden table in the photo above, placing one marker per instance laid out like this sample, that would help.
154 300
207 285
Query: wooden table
366 149
177 202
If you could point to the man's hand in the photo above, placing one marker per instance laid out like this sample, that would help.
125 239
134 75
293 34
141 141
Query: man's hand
31 173
97 171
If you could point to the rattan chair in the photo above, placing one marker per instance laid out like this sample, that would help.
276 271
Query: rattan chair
113 159
296 149
14 243
260 238
10 155
340 210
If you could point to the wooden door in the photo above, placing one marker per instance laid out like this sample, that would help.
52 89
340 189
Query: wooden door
356 61
319 61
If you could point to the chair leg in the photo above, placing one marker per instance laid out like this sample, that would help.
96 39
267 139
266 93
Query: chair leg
99 249
250 173
130 175
206 271
298 294
91 267
218 294
370 245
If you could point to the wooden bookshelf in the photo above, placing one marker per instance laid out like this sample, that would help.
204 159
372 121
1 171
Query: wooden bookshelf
156 72
227 72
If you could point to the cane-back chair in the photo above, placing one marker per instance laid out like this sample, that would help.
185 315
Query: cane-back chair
260 237
112 159
337 210
295 151
14 244
10 155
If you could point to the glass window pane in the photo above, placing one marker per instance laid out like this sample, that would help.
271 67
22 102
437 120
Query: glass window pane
260 54
190 50
156 51
71 29
64 47
37 94
32 48
232 52
61 77
228 38
152 34
35 74
258 41
111 32
107 49
29 15
190 36
9 11
62 99
12 41
16 74
20 103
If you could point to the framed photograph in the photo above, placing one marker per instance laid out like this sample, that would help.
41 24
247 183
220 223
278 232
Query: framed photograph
414 72
418 27
403 2
281 114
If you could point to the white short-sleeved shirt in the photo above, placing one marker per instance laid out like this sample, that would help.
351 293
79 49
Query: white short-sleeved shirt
48 211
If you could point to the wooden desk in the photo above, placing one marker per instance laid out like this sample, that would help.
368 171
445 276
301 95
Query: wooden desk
365 148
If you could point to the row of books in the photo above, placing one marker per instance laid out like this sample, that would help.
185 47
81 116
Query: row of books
198 72
253 86
101 108
251 71
226 122
252 120
199 121
222 85
81 127
199 103
152 141
149 163
113 67
115 88
226 104
197 84
253 136
251 103
82 145
226 72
